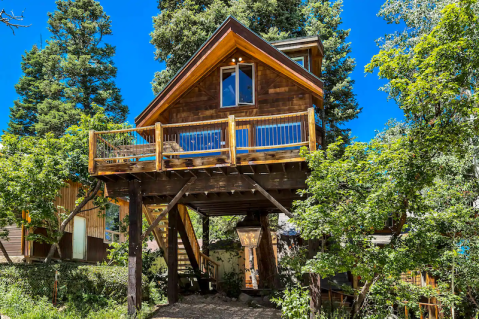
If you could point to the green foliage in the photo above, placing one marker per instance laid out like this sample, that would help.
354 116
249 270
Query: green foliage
294 303
75 282
183 26
74 72
231 284
33 169
17 303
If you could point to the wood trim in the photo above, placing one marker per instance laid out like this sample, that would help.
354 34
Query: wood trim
92 152
232 139
159 146
312 130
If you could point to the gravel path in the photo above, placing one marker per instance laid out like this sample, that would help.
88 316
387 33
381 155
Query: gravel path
197 307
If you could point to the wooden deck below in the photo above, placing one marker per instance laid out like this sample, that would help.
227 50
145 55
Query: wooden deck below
195 163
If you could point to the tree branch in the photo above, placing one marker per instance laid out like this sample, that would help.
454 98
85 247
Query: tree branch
9 18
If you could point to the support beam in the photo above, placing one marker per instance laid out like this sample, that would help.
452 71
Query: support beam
206 236
173 287
173 202
268 196
134 249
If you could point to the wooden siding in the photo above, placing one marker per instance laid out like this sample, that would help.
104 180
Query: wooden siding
14 244
274 94
96 248
95 222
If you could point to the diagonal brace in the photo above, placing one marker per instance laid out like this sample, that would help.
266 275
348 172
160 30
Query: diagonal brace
172 204
268 196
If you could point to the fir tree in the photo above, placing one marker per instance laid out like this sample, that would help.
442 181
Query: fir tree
77 71
183 26
24 113
340 105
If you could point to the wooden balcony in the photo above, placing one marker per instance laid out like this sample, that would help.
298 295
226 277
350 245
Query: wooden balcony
231 142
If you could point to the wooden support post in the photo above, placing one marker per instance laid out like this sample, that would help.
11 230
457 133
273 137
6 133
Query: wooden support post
252 270
312 129
232 139
173 288
268 271
206 236
159 146
92 152
268 196
135 247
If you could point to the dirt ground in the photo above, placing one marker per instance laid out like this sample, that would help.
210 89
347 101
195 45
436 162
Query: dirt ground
214 307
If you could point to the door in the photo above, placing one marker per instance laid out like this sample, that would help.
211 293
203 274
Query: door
79 238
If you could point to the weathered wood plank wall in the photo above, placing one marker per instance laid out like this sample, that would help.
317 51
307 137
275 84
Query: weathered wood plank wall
274 94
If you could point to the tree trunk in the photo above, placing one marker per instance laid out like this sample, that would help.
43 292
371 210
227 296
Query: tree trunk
268 271
5 253
90 195
360 298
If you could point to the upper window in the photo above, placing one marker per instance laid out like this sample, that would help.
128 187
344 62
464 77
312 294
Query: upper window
237 85
299 60
112 223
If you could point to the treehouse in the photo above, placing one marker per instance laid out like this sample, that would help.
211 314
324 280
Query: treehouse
223 137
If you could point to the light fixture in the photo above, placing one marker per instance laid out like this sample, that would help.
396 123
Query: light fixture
249 231
240 59
233 60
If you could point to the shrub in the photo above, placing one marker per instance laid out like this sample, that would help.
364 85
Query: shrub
15 303
231 284
294 303
75 281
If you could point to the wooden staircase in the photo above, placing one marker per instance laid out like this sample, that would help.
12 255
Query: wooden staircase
206 269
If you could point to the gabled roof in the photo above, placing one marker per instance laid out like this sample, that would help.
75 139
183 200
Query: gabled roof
229 36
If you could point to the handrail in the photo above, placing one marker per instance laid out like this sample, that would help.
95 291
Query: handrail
227 135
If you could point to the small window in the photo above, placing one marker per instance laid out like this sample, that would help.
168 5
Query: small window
237 85
112 224
299 60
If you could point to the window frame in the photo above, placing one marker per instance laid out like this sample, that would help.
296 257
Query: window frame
112 232
236 67
299 58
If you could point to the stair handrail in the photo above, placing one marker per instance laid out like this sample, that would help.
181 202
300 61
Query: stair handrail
190 231
206 262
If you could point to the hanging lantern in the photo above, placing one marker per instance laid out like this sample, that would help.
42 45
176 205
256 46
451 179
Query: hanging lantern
249 231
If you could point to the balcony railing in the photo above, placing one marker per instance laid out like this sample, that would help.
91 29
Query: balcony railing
229 137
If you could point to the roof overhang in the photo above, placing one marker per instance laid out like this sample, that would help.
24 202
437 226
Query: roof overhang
231 35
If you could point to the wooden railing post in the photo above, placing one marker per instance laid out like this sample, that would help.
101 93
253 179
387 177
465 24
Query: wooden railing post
312 129
92 152
159 146
232 139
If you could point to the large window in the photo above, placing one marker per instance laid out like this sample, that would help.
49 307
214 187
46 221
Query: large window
112 224
237 85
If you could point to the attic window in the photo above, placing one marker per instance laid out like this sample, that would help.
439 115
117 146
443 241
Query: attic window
237 85
299 60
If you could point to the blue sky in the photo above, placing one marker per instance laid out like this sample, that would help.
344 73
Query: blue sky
132 24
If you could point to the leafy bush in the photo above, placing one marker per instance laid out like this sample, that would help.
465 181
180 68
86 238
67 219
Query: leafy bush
75 282
16 303
294 303
231 284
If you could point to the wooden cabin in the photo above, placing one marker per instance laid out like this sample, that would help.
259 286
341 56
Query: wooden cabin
87 237
222 138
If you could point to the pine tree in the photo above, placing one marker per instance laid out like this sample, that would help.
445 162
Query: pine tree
24 113
323 18
76 71
183 26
